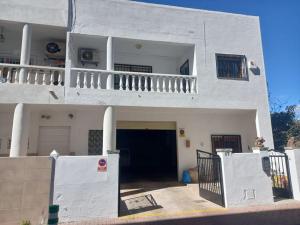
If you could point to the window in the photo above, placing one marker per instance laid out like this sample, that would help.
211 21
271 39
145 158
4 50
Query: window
9 59
185 69
95 142
231 67
8 143
226 141
131 68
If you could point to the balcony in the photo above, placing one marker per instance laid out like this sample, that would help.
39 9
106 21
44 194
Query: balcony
124 66
35 75
132 65
25 57
133 81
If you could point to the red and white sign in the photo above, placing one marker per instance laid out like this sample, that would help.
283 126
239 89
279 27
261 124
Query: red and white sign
102 165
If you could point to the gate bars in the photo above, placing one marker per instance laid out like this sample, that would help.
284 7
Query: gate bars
210 177
280 174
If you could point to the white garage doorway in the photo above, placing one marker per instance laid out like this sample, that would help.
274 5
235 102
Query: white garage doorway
54 137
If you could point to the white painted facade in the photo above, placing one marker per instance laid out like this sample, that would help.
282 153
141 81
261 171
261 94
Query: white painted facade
168 36
73 174
252 186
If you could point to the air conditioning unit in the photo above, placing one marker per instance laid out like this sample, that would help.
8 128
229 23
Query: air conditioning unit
55 50
88 56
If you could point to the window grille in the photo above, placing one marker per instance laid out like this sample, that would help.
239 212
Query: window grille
231 67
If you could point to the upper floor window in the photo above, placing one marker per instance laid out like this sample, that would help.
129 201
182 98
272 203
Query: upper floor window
231 67
132 68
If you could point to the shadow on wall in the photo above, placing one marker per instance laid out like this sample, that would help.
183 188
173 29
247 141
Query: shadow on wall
255 71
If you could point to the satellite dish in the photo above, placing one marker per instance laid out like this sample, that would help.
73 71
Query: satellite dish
52 48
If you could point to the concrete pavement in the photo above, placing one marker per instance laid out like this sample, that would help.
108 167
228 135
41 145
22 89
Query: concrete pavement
173 203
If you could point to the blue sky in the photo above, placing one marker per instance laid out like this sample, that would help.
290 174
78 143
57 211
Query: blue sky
280 26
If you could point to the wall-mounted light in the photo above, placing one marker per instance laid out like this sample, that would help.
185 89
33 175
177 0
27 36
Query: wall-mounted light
181 132
2 37
138 46
47 117
252 64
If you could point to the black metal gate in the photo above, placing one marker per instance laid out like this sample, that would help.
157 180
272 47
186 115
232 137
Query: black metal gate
210 177
280 174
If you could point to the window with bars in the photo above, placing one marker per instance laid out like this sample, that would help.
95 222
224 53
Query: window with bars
226 141
9 60
231 67
133 68
95 142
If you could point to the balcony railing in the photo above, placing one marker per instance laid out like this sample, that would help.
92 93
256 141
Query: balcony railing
132 81
35 75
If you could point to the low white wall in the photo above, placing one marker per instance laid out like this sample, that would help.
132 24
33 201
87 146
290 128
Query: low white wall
245 182
294 164
82 192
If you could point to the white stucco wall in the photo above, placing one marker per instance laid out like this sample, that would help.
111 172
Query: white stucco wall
84 193
5 131
54 12
294 164
252 186
209 32
199 125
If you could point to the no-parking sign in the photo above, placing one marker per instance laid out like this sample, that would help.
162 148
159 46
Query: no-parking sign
102 165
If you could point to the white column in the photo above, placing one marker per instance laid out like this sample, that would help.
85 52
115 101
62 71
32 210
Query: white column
109 63
25 50
264 126
20 131
109 130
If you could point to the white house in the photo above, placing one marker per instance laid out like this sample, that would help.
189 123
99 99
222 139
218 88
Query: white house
155 82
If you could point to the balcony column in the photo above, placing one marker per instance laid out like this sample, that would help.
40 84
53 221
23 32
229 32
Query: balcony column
20 130
109 63
109 130
25 51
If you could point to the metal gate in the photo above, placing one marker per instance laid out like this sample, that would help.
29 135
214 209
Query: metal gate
280 174
210 177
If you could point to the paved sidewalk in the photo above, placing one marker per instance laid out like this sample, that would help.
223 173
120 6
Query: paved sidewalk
173 203
143 199
276 214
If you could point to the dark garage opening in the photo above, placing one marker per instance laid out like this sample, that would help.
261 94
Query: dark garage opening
147 154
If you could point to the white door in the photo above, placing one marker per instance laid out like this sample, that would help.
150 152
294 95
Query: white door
57 138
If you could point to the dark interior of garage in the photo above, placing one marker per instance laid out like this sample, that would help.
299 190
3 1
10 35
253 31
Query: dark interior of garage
147 154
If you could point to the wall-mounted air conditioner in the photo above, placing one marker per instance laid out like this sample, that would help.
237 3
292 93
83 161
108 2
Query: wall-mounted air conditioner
55 50
88 56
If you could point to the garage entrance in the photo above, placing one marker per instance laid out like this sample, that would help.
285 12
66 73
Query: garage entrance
147 154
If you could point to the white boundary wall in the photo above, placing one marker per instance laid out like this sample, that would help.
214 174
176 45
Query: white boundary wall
294 164
244 181
82 192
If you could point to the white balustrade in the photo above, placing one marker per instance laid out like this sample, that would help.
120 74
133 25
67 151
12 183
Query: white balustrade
132 81
34 75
